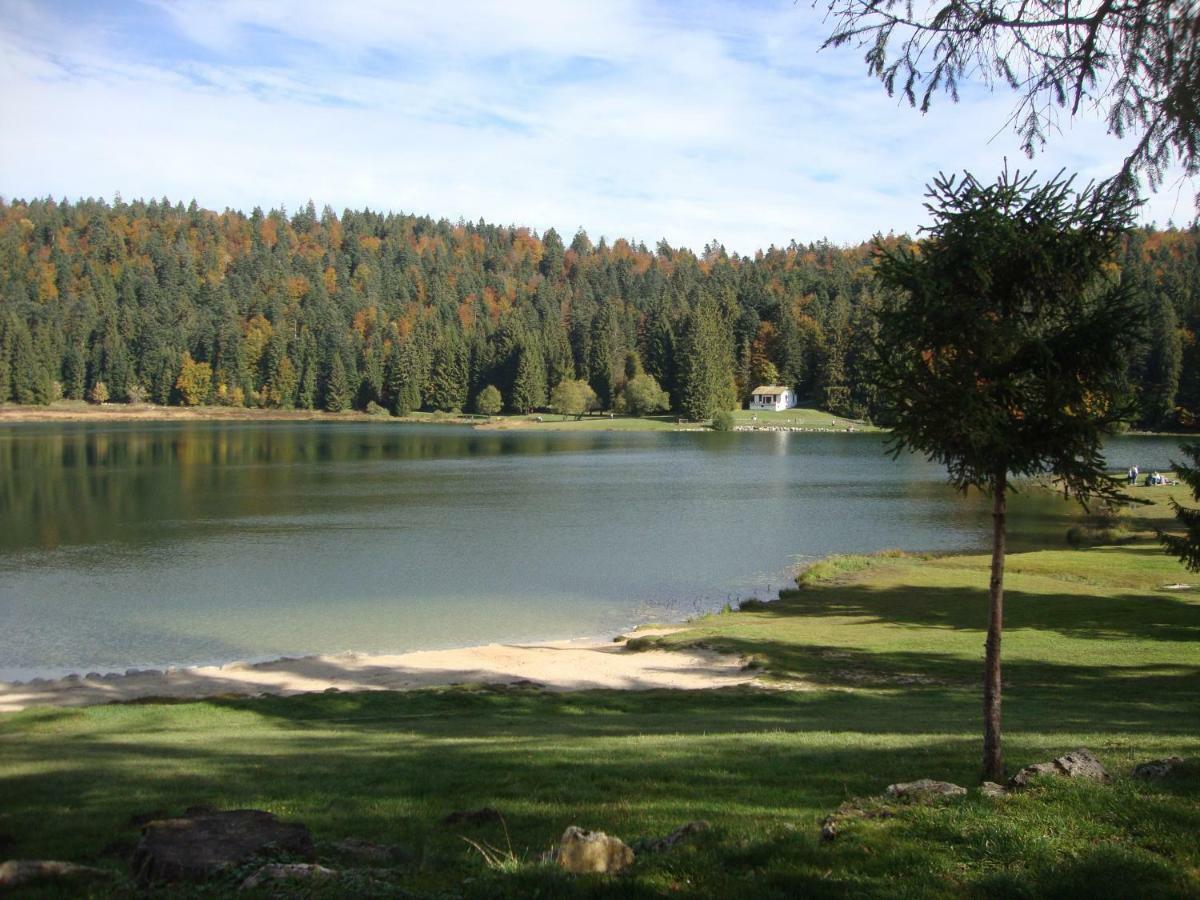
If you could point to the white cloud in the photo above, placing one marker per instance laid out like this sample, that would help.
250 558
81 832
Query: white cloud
615 116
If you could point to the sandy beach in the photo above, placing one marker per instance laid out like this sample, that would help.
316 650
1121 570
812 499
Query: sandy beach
555 666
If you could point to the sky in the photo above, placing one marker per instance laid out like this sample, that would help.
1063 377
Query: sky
689 122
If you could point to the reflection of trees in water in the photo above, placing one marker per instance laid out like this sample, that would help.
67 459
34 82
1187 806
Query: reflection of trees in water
84 484
76 484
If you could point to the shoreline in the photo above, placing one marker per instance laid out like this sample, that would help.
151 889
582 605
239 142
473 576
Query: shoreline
568 665
75 411
78 411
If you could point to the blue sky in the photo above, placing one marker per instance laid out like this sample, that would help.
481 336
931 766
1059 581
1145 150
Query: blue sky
643 120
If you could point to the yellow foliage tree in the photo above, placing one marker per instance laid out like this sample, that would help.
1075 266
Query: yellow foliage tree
195 381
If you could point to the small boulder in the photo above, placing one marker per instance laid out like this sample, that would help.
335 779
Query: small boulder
286 872
991 789
197 846
1082 764
924 788
1157 768
19 872
581 851
1076 764
873 808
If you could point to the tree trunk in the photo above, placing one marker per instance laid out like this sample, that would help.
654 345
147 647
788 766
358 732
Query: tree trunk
993 755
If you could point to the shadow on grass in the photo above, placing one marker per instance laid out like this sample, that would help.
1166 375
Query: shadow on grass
387 767
1142 615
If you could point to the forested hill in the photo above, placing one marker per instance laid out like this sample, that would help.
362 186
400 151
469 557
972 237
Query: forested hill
179 304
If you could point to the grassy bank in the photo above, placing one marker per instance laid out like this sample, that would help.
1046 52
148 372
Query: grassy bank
873 669
79 411
799 419
743 419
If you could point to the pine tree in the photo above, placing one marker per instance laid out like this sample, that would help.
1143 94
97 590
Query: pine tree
1163 366
1002 351
306 392
74 373
6 381
601 352
26 370
337 387
448 374
706 382
529 387
551 265
659 357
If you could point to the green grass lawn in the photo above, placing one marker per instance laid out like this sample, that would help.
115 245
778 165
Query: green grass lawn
594 422
873 672
814 419
798 418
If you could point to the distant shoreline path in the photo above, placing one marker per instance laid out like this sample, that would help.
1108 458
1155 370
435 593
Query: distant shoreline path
555 666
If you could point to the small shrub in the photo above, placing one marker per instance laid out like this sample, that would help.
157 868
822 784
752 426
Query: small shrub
135 393
489 402
1080 536
374 409
98 393
648 642
722 421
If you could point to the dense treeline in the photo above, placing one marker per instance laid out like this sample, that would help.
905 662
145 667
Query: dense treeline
173 304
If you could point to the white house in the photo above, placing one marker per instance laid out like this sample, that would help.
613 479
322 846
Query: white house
772 396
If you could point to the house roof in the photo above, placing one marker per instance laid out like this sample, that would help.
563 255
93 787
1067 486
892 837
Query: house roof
770 389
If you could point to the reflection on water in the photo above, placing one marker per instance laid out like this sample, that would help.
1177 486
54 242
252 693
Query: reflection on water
135 545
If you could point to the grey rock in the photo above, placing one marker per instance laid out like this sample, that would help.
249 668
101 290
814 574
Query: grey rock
873 808
1157 768
925 788
197 846
581 851
19 872
1027 774
991 789
1076 764
286 872
1082 764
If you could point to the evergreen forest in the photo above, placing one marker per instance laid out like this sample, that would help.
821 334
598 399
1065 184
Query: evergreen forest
158 302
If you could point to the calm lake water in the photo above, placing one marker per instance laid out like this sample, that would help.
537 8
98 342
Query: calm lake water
150 545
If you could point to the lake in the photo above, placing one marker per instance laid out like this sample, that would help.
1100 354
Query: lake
148 545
